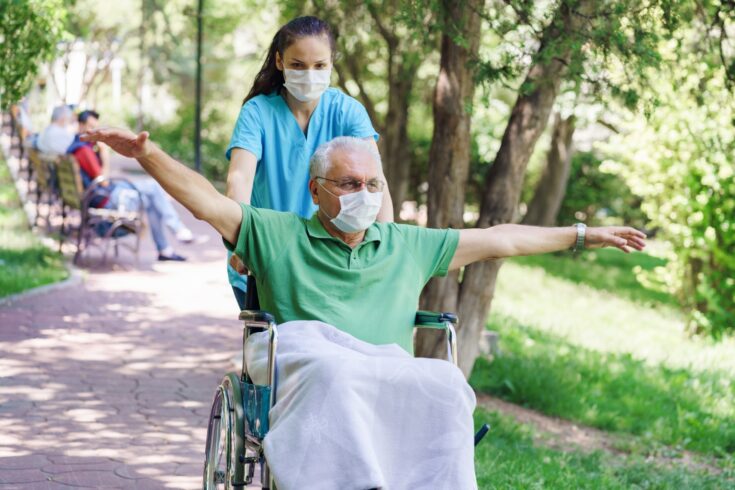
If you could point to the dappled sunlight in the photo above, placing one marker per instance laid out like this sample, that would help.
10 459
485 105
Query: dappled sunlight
116 376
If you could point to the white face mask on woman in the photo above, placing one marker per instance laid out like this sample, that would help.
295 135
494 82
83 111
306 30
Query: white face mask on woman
357 210
306 85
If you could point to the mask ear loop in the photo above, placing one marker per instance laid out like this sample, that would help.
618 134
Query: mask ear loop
330 193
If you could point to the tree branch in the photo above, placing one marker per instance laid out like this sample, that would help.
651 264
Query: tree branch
389 37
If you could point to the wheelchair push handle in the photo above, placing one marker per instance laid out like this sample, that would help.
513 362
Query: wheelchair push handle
257 316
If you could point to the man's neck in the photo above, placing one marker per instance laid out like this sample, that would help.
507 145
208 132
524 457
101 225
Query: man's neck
351 239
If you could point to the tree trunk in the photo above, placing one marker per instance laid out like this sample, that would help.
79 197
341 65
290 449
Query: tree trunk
550 190
404 58
394 148
449 155
504 179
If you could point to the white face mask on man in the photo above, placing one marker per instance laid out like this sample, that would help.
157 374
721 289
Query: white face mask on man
306 85
358 210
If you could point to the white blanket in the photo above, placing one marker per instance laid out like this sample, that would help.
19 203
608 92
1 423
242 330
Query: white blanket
351 415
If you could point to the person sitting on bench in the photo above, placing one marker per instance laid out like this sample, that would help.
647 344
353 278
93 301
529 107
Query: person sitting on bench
94 162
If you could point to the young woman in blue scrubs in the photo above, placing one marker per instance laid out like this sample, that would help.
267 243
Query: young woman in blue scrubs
288 113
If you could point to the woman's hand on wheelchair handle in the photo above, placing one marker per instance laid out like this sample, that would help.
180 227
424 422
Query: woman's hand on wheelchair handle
238 264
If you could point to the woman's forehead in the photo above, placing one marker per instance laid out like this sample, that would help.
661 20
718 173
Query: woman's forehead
309 49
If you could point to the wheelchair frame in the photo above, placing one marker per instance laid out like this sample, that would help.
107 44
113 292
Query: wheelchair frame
239 417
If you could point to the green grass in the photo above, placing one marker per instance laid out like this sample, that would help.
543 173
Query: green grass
508 459
24 262
613 392
608 361
606 270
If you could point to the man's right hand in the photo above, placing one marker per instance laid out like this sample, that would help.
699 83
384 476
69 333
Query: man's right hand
238 264
122 141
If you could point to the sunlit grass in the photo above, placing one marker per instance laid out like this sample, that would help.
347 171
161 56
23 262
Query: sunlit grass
613 392
606 270
508 459
605 321
609 361
24 262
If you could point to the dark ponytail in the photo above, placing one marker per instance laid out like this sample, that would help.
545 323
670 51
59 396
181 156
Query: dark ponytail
270 78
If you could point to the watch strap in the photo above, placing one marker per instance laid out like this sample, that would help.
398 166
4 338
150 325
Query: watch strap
581 232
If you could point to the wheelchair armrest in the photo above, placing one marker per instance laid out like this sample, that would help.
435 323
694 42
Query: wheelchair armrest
257 320
440 321
433 319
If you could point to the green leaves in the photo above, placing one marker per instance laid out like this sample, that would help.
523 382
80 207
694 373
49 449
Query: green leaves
679 160
29 31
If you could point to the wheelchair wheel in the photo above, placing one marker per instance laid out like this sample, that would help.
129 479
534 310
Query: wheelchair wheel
217 463
225 449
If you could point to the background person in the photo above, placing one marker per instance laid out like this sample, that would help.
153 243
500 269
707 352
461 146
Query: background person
94 161
289 111
57 136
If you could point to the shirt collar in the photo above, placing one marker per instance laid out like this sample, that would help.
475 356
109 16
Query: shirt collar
315 229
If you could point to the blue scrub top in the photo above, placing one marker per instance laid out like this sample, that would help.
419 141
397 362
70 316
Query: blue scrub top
268 129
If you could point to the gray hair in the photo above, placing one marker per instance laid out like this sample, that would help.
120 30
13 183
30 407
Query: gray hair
61 112
321 161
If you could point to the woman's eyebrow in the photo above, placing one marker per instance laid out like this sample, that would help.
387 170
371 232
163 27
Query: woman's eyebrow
296 60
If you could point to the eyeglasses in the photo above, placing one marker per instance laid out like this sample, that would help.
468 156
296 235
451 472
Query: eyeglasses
354 185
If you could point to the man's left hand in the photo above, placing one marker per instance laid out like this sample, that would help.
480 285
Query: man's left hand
623 237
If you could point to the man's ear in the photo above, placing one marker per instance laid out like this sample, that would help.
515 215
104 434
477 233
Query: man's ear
279 61
314 191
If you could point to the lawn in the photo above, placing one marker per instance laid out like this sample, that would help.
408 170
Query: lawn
508 459
24 262
610 354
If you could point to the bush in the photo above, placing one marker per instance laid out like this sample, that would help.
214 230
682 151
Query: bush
679 161
598 197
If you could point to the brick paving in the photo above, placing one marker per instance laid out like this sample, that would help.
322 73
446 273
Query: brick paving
108 383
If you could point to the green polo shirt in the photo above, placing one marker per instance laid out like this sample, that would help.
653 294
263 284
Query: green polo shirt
370 292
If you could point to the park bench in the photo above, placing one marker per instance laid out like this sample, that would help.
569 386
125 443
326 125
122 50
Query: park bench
81 209
46 190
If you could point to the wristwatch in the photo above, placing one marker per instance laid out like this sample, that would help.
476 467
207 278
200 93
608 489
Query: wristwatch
581 229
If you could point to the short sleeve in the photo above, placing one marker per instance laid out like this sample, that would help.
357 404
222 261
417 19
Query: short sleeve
356 121
431 248
264 235
248 132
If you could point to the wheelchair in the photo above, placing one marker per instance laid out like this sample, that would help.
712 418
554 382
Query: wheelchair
239 420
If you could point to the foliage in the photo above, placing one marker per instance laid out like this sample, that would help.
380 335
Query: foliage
621 33
509 458
29 31
24 262
597 197
172 136
679 161
606 361
231 55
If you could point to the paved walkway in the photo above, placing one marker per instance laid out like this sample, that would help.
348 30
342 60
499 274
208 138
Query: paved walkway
108 384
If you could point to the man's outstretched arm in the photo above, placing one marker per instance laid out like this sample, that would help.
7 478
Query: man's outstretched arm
510 240
189 188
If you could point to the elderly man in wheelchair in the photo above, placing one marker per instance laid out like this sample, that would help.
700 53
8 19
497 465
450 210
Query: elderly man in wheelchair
343 404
